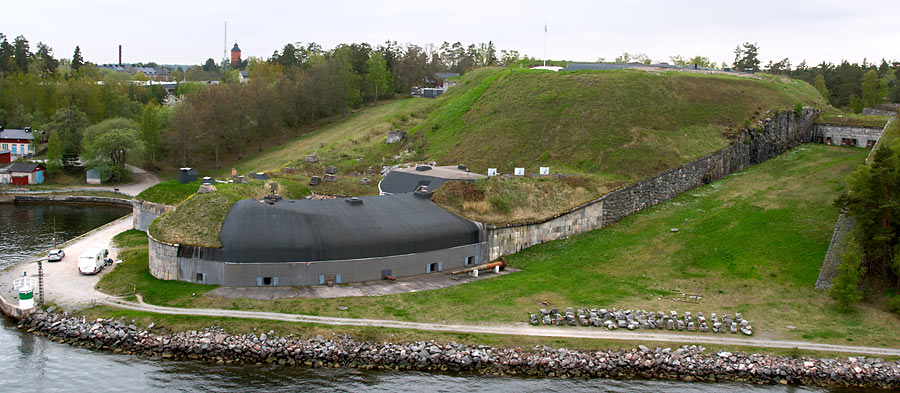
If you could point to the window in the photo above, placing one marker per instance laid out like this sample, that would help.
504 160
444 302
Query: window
267 281
470 261
5 146
200 277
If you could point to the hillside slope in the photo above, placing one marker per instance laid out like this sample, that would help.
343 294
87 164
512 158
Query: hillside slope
621 125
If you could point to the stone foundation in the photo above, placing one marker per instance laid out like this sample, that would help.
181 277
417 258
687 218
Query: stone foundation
145 212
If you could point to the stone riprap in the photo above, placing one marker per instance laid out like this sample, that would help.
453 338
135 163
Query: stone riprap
776 134
688 363
612 319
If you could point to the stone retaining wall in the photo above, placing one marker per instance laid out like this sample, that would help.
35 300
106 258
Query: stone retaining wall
845 225
163 259
145 212
70 199
776 135
841 135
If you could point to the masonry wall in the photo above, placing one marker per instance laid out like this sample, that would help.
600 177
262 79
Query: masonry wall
163 259
144 213
778 134
840 135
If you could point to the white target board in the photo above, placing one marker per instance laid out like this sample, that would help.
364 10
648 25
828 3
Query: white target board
519 172
492 171
545 170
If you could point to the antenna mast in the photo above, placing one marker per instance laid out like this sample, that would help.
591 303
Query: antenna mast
225 46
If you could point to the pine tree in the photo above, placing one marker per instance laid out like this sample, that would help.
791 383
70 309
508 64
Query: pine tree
822 87
844 286
77 60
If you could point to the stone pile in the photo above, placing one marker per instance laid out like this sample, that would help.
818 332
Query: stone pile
612 319
688 363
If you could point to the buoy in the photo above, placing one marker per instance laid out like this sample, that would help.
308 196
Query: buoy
26 293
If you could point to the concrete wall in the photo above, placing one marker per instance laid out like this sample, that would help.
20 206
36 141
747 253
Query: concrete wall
174 262
308 273
831 134
12 311
778 134
145 212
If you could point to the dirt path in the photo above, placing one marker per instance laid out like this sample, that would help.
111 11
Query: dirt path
518 330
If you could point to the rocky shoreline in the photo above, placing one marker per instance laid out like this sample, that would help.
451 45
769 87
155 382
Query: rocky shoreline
688 363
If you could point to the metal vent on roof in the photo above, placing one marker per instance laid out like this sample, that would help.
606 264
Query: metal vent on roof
354 201
423 168
462 167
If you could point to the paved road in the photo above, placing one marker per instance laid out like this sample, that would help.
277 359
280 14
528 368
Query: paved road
64 285
142 181
518 330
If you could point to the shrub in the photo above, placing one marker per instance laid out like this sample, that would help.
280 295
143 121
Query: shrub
844 288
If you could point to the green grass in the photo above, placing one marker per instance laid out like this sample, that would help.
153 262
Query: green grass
133 275
751 243
198 221
626 125
170 192
181 323
850 119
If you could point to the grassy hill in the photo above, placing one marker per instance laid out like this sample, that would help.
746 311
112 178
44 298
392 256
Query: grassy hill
622 125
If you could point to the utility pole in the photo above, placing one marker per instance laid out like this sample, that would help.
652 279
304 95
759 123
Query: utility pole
225 46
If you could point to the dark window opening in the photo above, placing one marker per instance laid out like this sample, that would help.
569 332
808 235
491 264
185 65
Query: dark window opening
433 267
267 281
200 277
870 144
470 261
828 141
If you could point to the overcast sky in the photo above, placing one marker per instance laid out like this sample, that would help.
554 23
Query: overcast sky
189 32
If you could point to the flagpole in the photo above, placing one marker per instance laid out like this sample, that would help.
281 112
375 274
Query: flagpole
545 42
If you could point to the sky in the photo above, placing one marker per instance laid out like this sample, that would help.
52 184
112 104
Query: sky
190 31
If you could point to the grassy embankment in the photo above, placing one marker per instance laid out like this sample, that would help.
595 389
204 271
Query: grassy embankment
752 243
608 127
850 119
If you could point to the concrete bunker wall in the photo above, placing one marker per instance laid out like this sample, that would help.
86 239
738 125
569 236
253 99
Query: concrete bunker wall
144 213
315 273
831 134
778 134
186 263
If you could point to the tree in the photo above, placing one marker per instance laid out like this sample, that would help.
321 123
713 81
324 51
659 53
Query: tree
636 57
845 286
377 76
154 118
77 60
54 153
745 59
21 54
210 66
68 124
43 59
113 147
821 87
871 89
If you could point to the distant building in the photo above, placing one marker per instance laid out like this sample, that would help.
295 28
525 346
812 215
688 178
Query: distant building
235 54
155 73
244 76
5 157
93 176
22 174
20 143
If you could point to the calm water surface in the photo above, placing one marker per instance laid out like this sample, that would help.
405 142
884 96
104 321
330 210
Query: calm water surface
29 363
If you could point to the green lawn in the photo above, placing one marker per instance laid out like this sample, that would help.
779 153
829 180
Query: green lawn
752 243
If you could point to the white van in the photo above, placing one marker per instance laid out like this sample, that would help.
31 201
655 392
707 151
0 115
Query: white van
92 260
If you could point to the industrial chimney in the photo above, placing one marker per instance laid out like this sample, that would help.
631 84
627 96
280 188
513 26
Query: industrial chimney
120 55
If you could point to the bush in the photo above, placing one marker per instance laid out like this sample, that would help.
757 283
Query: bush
844 288
798 109
501 204
893 303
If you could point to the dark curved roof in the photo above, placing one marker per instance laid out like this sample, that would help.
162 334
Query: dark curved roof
334 229
235 48
397 182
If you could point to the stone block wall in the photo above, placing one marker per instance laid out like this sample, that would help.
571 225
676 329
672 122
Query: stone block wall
831 134
145 212
844 226
163 259
776 135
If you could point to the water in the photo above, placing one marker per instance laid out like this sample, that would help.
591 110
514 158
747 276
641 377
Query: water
28 228
33 363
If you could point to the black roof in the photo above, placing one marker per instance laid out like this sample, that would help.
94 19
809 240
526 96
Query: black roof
21 167
335 229
397 182
235 49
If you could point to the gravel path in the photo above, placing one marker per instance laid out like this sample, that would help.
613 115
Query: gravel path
518 330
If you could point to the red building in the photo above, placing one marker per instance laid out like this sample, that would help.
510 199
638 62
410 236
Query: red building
235 54
22 174
5 157
21 143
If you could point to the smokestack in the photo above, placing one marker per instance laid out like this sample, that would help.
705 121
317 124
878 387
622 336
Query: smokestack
120 55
